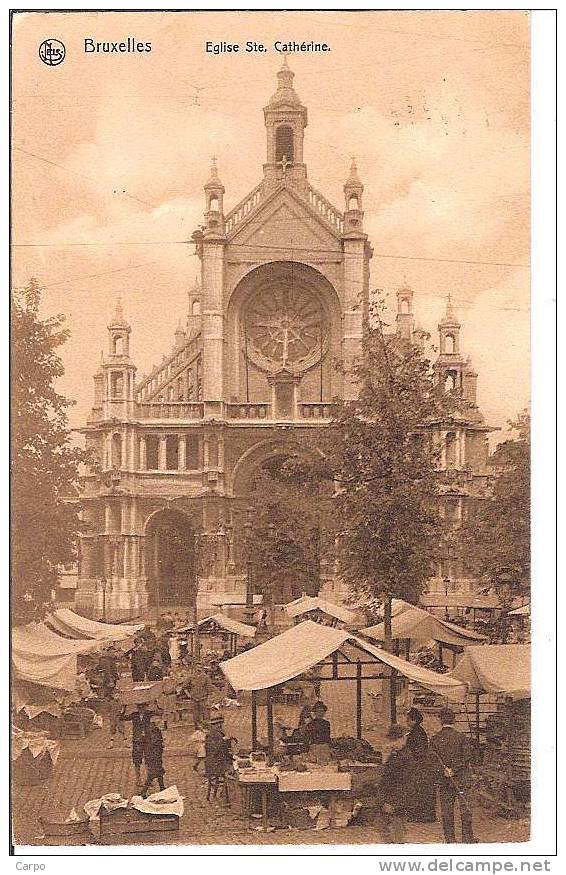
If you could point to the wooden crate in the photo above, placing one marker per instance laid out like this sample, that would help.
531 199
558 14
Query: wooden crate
74 833
130 826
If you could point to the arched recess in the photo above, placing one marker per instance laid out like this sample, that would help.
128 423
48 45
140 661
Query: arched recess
170 558
312 303
304 572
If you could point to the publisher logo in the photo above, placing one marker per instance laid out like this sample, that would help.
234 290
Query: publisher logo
52 52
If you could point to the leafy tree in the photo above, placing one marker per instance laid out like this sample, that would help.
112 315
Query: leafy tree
384 459
290 516
497 535
44 463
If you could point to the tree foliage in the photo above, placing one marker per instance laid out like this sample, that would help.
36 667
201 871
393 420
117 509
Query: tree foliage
383 458
497 535
44 464
290 514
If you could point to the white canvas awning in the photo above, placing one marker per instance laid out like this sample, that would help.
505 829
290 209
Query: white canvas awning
41 657
228 624
524 611
418 625
306 604
496 668
298 649
73 625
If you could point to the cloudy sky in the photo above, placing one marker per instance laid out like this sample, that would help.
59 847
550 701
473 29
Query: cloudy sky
110 153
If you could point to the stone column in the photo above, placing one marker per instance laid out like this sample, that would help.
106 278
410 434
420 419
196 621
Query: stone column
182 453
163 453
355 288
143 454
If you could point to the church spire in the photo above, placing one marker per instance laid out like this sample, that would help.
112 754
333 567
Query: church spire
285 121
353 191
214 195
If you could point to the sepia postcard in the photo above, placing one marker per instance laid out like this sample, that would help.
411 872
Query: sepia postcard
270 431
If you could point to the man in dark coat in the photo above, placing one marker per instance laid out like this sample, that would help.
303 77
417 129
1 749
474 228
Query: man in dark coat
396 786
140 719
153 755
451 753
422 807
217 754
139 662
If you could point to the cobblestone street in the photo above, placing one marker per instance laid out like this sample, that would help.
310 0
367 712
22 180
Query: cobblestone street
88 768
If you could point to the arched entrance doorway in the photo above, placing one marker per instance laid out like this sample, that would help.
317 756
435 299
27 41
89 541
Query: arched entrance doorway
170 559
287 518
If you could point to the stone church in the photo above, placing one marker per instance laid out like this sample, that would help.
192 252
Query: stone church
272 328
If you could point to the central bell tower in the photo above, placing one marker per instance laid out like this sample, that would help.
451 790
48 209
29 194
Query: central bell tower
285 121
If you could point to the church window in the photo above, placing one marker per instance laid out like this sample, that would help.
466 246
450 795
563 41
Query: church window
152 452
213 453
195 308
116 384
172 452
214 203
404 305
170 393
451 449
284 143
118 345
192 461
450 381
116 450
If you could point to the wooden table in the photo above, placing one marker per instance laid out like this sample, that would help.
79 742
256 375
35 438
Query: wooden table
248 783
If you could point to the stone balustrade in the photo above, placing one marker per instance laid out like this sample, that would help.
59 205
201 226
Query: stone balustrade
248 411
244 208
325 209
171 410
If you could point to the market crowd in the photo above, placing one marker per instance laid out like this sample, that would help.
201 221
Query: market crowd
416 771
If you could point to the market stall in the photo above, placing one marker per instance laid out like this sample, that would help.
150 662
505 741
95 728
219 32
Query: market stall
319 610
41 657
67 623
225 628
480 609
288 778
410 623
33 756
503 671
340 655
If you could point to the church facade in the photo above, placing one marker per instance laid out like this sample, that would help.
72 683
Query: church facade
272 329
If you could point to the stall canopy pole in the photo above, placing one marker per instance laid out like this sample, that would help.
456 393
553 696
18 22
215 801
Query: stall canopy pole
270 722
359 700
393 695
254 720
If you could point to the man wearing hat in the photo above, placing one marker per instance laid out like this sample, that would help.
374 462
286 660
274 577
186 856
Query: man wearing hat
200 691
317 735
451 754
216 754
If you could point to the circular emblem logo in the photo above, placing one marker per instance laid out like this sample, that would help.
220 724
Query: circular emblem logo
52 52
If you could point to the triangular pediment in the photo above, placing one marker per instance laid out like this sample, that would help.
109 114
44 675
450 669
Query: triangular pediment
284 220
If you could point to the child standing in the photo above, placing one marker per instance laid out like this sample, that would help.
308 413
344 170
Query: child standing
197 741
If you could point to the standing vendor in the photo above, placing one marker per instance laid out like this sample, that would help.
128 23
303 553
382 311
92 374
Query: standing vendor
317 735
